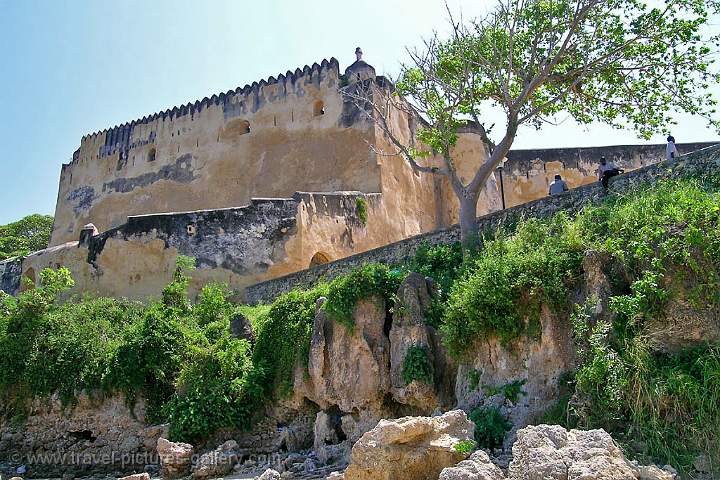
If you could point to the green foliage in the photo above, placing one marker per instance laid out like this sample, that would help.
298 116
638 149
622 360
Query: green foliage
490 426
282 341
27 235
464 447
361 206
213 394
174 295
669 401
510 390
369 280
444 264
509 280
417 366
474 378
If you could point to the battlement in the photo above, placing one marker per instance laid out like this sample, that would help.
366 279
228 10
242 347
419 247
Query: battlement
119 137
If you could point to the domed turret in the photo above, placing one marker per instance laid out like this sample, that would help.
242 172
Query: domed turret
360 70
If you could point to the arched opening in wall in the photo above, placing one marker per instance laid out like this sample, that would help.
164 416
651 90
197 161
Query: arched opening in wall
151 154
318 259
244 127
318 108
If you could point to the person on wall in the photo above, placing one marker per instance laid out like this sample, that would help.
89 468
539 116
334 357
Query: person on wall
671 150
558 185
607 170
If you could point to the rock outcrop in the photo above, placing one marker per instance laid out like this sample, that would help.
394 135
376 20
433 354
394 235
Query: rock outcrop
409 329
175 458
410 448
347 367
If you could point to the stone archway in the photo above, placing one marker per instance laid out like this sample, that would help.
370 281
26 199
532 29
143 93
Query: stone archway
318 259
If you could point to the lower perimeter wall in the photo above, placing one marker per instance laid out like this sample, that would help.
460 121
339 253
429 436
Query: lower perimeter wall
697 163
236 246
96 434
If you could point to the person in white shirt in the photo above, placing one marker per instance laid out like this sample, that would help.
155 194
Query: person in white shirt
558 186
606 170
671 150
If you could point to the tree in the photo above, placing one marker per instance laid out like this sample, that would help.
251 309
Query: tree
27 235
619 62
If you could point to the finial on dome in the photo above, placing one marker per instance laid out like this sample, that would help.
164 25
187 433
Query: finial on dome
358 53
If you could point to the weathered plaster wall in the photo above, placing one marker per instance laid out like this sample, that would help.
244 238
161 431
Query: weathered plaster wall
237 246
203 159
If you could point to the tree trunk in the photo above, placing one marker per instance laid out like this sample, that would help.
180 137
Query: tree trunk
469 235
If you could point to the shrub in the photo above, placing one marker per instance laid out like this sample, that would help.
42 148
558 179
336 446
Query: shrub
501 294
417 366
510 390
212 394
371 279
464 447
282 340
490 426
444 264
361 206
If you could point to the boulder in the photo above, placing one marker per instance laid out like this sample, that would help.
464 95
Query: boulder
551 452
269 474
410 448
477 467
137 476
175 458
218 462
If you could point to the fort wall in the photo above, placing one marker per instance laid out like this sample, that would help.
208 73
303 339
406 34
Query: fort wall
269 139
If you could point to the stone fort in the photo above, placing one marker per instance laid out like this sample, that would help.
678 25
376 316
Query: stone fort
266 180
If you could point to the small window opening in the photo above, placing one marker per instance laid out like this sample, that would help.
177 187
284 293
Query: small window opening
192 229
244 127
318 108
151 155
319 258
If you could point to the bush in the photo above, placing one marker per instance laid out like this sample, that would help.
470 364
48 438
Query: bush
371 279
417 366
490 426
509 280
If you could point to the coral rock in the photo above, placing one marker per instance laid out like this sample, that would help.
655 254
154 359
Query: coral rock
409 448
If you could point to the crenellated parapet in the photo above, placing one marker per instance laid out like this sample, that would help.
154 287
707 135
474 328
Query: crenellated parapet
250 98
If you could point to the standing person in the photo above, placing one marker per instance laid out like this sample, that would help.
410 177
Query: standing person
606 170
671 150
558 186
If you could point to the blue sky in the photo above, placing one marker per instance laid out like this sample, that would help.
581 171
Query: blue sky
73 67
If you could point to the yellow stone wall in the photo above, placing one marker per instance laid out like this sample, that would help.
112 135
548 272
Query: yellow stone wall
204 161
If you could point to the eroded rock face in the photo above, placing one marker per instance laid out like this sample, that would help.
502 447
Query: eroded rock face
175 458
218 462
409 448
551 452
348 368
95 427
409 329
